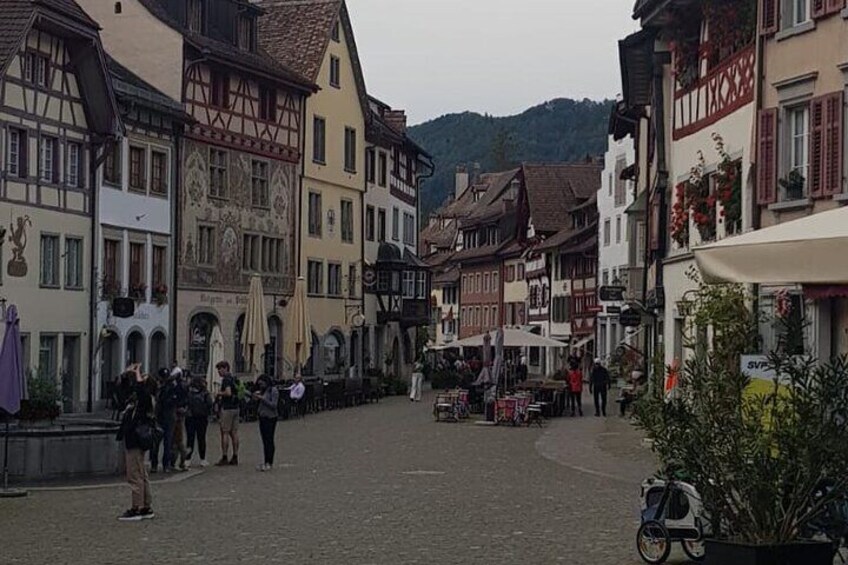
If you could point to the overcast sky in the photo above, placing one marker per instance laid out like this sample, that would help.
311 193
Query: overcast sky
434 57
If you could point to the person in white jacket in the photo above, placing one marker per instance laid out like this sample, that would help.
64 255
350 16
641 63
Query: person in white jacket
417 381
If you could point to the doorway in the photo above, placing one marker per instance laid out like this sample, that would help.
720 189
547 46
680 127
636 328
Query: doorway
70 370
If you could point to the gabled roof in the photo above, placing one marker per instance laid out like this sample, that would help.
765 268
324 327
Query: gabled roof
130 86
297 32
554 189
568 236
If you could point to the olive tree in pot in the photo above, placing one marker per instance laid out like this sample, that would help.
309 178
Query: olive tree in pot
43 402
758 456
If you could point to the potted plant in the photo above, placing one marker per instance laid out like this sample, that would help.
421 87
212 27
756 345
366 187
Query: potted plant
758 455
160 294
138 291
43 402
793 185
110 289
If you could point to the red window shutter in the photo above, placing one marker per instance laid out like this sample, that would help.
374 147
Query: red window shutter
815 177
767 157
833 143
655 225
834 6
768 16
818 8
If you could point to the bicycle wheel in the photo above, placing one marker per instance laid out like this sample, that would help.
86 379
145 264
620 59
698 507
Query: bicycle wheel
652 542
694 550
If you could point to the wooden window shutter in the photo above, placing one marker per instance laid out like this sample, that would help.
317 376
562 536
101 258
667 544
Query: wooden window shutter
817 8
768 16
833 143
834 6
767 157
815 176
655 224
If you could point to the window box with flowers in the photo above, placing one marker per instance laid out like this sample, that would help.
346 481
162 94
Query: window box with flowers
160 294
138 291
728 188
110 289
702 201
680 217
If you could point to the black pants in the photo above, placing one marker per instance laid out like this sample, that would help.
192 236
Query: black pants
575 401
600 401
267 427
196 428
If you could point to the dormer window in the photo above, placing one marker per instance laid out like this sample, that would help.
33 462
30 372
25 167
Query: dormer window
246 33
195 15
335 33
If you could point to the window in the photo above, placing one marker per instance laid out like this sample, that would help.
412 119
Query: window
799 141
335 72
495 282
800 12
137 168
350 150
49 158
408 229
218 173
112 165
408 284
36 69
314 214
319 140
16 153
618 229
484 322
335 32
606 232
510 273
395 223
272 255
111 266
347 221
74 164
561 310
605 277
73 262
315 277
137 278
47 356
334 279
267 103
369 223
520 271
49 260
259 184
206 245
381 225
160 254
486 283
246 33
421 285
250 253
220 85
159 173
477 285
370 165
195 15
495 320
351 281
383 169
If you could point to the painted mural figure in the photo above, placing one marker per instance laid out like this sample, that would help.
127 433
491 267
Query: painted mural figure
17 266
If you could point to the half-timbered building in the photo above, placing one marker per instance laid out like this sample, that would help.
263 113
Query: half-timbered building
237 212
56 112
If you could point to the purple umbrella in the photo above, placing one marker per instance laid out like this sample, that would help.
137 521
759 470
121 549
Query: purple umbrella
12 383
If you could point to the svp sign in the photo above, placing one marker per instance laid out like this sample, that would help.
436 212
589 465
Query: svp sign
757 367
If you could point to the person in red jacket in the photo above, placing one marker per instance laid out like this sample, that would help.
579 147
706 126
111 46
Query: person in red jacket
575 389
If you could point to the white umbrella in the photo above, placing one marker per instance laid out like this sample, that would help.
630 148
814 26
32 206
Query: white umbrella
497 369
255 335
512 338
298 336
216 355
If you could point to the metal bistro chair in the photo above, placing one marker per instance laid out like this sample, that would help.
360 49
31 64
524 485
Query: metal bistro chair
444 405
534 415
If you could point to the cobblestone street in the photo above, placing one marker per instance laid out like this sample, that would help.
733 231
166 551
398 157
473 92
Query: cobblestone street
376 484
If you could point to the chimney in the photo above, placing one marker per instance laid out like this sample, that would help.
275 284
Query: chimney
396 120
475 173
461 180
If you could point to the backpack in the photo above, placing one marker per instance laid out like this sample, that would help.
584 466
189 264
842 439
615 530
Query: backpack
198 403
240 390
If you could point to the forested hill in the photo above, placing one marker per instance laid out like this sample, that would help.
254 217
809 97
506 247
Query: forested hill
558 130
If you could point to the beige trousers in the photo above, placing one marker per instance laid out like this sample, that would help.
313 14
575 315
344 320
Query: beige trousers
138 479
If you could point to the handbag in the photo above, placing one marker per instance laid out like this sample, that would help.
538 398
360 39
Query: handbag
148 434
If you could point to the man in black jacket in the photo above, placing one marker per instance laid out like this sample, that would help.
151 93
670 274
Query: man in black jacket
599 384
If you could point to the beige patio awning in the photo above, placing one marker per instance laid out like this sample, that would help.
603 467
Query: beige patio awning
512 338
808 250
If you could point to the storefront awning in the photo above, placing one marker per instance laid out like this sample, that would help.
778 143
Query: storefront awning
809 250
512 338
583 342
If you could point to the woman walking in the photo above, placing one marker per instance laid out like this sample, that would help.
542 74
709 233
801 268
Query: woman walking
268 397
197 419
138 431
575 388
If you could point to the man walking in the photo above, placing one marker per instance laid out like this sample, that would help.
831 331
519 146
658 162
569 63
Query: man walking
599 384
417 381
229 420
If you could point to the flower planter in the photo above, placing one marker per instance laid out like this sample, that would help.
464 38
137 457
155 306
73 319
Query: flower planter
797 553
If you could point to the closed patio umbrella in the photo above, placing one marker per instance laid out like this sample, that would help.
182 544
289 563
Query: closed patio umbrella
298 336
12 387
497 368
216 355
255 335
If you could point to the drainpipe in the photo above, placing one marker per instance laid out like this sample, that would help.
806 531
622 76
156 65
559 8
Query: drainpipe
176 236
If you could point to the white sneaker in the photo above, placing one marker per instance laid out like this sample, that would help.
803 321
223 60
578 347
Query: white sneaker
204 463
187 465
263 467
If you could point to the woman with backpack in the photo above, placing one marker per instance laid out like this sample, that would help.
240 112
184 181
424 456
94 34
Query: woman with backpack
199 409
139 433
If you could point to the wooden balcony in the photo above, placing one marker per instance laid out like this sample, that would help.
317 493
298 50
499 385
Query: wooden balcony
724 89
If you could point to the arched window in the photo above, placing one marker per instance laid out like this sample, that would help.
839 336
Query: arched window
135 349
238 350
200 332
274 349
158 351
334 354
